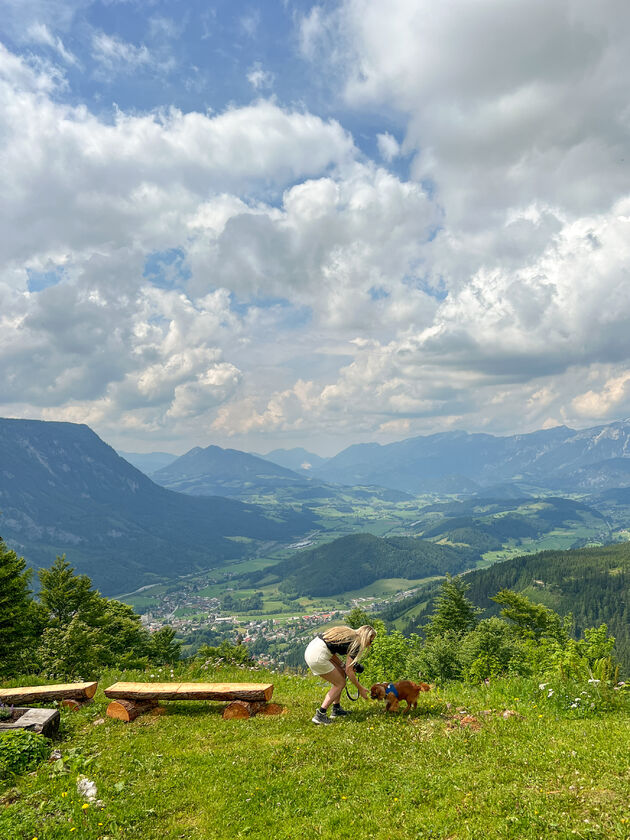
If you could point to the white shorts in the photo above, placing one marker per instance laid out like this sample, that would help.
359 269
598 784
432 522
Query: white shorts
317 656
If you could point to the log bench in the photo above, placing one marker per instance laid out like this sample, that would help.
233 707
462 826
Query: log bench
130 699
77 692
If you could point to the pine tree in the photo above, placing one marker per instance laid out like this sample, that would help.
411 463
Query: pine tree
65 595
453 611
17 611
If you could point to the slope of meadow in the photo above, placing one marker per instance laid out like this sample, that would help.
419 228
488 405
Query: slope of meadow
546 771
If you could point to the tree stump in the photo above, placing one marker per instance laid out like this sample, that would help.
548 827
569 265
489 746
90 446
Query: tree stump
129 710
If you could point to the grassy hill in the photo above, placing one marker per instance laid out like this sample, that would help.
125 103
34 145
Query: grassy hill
546 771
357 560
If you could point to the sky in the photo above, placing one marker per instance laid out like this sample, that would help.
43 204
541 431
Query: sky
279 224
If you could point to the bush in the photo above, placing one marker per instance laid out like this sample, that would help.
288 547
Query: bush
491 649
225 653
20 751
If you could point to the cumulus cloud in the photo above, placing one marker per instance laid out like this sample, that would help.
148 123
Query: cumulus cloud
312 291
489 93
136 179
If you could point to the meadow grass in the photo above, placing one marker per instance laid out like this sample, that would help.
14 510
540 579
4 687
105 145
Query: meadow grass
545 772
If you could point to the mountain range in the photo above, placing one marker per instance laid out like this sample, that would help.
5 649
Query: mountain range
63 490
559 460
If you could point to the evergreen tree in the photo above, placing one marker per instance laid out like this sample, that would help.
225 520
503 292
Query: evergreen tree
532 620
357 618
17 611
65 595
163 649
453 611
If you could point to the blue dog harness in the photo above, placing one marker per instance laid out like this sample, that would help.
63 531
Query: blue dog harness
391 689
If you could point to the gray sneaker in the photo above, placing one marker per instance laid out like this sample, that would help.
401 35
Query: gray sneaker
319 717
335 713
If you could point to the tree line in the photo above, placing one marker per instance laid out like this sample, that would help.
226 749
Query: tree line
70 629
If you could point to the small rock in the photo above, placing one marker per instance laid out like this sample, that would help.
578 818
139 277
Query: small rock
98 721
54 756
86 788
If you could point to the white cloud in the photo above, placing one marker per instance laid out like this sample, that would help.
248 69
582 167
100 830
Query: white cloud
388 146
140 178
506 103
39 33
259 78
117 56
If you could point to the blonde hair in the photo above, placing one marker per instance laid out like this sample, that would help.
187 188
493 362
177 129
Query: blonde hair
358 639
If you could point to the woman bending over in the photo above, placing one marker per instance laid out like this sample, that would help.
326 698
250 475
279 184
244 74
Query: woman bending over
322 657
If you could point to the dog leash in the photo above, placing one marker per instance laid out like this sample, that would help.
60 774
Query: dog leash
350 697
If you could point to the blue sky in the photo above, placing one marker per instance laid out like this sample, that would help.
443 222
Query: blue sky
313 224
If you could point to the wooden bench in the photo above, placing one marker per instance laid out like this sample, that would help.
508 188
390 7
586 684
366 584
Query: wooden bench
130 699
72 693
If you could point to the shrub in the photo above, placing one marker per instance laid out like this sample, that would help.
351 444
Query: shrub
491 649
225 653
20 751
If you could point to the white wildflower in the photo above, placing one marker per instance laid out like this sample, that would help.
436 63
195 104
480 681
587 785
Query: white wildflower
542 686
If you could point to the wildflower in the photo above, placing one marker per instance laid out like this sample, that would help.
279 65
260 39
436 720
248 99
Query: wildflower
542 686
550 692
574 706
85 806
344 797
594 682
64 793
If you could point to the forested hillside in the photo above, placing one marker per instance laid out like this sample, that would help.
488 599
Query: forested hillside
63 490
357 560
593 584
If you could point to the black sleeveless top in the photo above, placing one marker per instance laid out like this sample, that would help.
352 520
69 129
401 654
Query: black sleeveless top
335 647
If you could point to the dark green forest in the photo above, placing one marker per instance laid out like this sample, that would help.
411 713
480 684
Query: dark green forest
590 584
357 560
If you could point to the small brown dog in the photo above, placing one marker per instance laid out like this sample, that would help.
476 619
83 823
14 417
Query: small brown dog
393 693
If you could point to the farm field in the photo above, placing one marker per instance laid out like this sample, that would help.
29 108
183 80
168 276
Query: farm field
545 771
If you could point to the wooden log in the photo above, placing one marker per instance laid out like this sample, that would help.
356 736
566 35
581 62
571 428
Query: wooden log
251 692
240 709
272 709
129 710
73 705
38 693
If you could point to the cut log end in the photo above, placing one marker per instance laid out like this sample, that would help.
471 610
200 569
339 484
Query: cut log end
273 709
73 705
128 710
240 709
